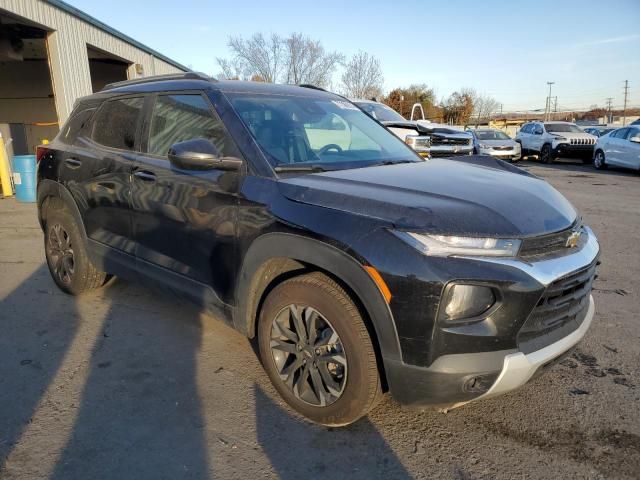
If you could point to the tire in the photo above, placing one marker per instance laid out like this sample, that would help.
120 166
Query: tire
66 254
522 151
546 154
330 393
599 160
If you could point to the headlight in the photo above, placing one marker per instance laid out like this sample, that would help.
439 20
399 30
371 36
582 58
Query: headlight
461 302
484 145
447 246
418 142
560 139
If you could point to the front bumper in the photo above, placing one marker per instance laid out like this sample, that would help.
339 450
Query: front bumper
569 150
457 378
513 154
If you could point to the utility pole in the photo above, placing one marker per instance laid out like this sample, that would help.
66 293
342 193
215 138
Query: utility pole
547 110
624 110
609 113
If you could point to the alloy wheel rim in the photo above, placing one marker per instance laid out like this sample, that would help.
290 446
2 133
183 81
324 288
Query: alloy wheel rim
308 355
545 154
598 160
60 253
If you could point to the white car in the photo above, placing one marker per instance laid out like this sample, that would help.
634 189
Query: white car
550 140
620 148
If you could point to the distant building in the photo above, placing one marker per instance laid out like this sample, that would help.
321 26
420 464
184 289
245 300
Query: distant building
52 53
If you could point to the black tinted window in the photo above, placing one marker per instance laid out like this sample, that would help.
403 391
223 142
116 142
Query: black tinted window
633 132
77 126
177 118
117 121
620 133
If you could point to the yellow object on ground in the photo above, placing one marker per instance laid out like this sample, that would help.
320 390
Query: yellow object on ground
5 171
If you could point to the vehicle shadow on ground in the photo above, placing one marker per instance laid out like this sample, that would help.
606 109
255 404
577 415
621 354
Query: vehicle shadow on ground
140 415
31 352
297 449
137 411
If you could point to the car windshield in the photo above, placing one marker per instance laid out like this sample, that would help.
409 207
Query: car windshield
562 127
491 135
381 112
323 133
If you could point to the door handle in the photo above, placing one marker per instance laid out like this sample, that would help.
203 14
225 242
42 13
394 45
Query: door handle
145 175
73 162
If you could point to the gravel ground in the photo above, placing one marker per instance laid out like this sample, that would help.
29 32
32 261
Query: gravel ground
128 382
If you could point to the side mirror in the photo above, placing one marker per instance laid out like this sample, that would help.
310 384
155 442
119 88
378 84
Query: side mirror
200 154
537 132
635 139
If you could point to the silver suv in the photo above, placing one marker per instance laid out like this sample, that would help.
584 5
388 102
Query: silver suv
550 140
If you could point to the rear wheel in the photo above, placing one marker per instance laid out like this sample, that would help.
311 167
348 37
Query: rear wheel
598 160
317 351
66 254
546 154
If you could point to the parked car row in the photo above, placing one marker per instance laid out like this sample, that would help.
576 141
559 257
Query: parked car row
547 140
426 138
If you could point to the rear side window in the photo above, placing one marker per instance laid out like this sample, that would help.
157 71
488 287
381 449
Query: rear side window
620 133
117 121
633 132
77 126
177 118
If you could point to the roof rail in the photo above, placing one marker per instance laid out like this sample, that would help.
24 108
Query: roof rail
160 78
308 85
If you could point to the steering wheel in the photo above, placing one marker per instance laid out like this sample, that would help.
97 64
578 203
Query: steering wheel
331 146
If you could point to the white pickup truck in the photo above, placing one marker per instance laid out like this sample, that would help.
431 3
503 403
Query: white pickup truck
426 138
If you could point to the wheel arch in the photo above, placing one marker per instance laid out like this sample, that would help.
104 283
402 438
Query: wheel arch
275 257
49 190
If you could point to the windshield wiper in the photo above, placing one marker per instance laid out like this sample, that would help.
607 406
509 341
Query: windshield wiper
299 168
391 162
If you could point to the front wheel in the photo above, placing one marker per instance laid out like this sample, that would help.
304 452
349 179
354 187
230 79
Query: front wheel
317 351
546 154
598 160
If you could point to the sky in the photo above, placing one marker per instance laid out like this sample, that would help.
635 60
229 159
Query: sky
508 50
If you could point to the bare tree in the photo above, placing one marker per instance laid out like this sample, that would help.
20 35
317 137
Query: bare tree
307 61
232 69
483 107
256 56
362 77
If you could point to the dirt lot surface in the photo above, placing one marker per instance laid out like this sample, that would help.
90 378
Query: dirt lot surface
128 382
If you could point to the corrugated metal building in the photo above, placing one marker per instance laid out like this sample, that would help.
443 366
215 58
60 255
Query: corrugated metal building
52 53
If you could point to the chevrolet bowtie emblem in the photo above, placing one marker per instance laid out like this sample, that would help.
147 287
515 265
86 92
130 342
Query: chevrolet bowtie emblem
573 240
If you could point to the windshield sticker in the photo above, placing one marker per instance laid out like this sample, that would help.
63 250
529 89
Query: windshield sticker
344 105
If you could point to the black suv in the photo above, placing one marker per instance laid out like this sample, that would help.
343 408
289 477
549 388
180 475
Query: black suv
291 214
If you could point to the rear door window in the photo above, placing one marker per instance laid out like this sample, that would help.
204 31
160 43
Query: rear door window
117 122
77 126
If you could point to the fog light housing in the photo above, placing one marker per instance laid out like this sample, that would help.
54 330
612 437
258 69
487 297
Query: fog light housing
462 302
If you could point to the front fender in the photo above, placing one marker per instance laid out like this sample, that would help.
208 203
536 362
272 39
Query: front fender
325 257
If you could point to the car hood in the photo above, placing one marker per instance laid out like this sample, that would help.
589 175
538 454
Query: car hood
477 195
570 135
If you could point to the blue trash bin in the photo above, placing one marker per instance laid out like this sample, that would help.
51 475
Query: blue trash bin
24 177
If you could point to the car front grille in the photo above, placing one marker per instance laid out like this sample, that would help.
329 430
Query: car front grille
444 141
502 148
561 309
548 244
583 141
